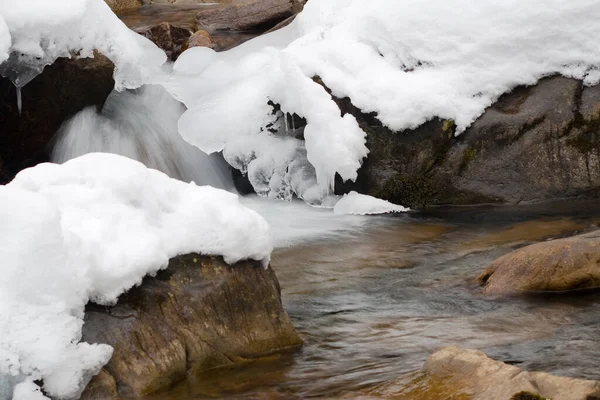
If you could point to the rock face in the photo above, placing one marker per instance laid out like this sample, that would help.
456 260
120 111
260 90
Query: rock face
62 90
454 373
172 39
555 266
200 39
535 144
198 314
246 15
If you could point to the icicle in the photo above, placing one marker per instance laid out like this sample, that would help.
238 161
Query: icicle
293 124
19 101
287 129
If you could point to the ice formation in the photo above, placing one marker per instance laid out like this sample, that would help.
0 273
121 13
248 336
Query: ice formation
34 33
90 229
141 124
360 204
408 61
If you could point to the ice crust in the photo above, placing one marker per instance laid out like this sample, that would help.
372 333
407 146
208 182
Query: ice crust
360 204
34 33
90 229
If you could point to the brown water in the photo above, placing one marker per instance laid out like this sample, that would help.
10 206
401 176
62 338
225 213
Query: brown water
372 304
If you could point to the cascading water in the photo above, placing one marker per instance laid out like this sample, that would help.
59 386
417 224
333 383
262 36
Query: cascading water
141 124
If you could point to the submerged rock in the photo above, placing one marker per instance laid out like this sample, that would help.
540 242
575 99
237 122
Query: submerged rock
554 266
537 143
461 374
198 314
123 5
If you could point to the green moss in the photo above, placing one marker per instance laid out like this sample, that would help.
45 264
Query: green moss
468 156
408 190
448 126
527 396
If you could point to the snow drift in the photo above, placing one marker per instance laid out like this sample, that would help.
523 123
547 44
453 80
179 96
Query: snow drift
407 61
90 229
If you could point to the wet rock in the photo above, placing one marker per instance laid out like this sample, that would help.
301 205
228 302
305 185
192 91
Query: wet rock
455 373
246 15
63 89
198 314
172 39
554 266
123 5
200 39
536 144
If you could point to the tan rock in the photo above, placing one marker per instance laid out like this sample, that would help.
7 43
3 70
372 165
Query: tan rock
460 374
123 5
198 314
200 39
557 265
247 15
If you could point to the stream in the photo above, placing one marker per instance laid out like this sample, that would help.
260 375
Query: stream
375 296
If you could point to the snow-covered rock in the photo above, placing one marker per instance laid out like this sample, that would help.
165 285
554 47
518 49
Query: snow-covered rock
90 229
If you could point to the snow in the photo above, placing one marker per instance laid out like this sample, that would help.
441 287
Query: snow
39 31
90 229
361 204
407 61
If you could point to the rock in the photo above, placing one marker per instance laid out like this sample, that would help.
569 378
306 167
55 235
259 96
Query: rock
196 315
555 266
123 5
535 144
172 39
63 89
455 373
246 15
200 39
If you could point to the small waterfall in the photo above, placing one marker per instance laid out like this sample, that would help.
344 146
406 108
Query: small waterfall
141 124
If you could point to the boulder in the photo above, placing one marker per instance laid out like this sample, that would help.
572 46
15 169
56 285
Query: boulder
172 39
63 89
535 144
200 39
246 15
554 266
198 314
461 374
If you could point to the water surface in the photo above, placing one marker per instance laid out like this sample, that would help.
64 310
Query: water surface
375 297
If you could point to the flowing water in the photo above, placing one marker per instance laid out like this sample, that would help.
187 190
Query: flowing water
374 297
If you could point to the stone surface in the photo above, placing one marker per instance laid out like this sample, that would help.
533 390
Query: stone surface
461 374
535 144
553 266
123 5
172 39
196 315
200 39
246 15
63 89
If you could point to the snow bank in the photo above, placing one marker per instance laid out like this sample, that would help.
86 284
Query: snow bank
407 61
90 229
39 31
360 204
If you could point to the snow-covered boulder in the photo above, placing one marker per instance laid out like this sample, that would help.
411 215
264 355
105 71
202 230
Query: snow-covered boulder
198 314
